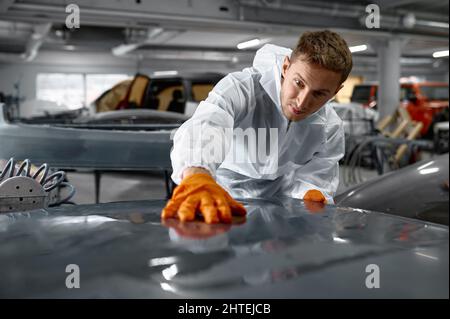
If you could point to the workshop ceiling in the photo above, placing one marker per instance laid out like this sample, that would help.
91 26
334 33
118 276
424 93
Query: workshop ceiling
210 30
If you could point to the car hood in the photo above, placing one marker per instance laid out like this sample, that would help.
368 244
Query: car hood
285 248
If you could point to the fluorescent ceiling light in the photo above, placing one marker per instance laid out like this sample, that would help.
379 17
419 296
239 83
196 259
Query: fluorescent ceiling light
162 73
440 54
358 48
248 44
435 24
123 49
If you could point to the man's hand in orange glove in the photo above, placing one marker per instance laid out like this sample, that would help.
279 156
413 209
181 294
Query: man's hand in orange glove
200 191
314 200
315 195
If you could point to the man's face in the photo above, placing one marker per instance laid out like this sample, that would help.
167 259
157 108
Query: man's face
305 88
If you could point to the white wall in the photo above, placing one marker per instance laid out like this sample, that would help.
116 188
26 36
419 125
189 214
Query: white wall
73 62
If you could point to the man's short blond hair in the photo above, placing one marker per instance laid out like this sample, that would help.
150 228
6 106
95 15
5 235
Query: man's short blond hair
325 48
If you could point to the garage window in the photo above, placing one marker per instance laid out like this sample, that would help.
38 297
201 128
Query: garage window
96 84
66 90
74 90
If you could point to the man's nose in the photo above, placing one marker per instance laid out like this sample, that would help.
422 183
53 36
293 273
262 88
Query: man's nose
303 98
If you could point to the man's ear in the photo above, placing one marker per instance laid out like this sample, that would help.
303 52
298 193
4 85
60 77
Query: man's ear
285 66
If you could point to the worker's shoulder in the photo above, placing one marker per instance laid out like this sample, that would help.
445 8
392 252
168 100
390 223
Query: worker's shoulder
332 118
239 79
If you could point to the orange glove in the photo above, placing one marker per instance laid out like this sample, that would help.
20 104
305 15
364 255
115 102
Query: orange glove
200 191
315 196
314 201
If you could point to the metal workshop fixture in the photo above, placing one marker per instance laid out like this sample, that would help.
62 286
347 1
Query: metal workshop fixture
24 187
21 193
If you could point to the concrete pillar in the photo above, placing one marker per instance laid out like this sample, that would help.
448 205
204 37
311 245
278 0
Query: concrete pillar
389 54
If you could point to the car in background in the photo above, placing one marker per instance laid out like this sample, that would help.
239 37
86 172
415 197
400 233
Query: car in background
365 94
426 102
418 191
358 120
183 93
180 93
141 100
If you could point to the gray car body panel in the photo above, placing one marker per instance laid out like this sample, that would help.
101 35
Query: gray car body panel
416 191
284 249
75 148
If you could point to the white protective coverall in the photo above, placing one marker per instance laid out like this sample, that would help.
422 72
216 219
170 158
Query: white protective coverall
303 155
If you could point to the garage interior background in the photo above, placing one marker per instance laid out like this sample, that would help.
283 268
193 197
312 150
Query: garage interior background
42 59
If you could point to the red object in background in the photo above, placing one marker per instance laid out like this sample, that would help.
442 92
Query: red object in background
424 101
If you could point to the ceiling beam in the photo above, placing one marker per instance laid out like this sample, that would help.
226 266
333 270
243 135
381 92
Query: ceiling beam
127 18
391 4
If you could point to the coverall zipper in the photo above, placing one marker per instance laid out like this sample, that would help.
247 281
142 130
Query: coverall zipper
289 124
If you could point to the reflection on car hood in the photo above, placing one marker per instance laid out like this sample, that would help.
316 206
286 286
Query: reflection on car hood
284 249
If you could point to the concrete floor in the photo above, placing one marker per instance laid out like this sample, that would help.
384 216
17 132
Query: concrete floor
126 187
117 187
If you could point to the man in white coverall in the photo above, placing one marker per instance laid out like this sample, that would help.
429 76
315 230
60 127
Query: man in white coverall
279 103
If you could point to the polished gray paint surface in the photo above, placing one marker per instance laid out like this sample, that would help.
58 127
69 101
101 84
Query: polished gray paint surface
416 191
284 249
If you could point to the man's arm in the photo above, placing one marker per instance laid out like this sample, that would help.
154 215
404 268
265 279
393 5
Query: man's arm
193 170
200 146
204 140
322 171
